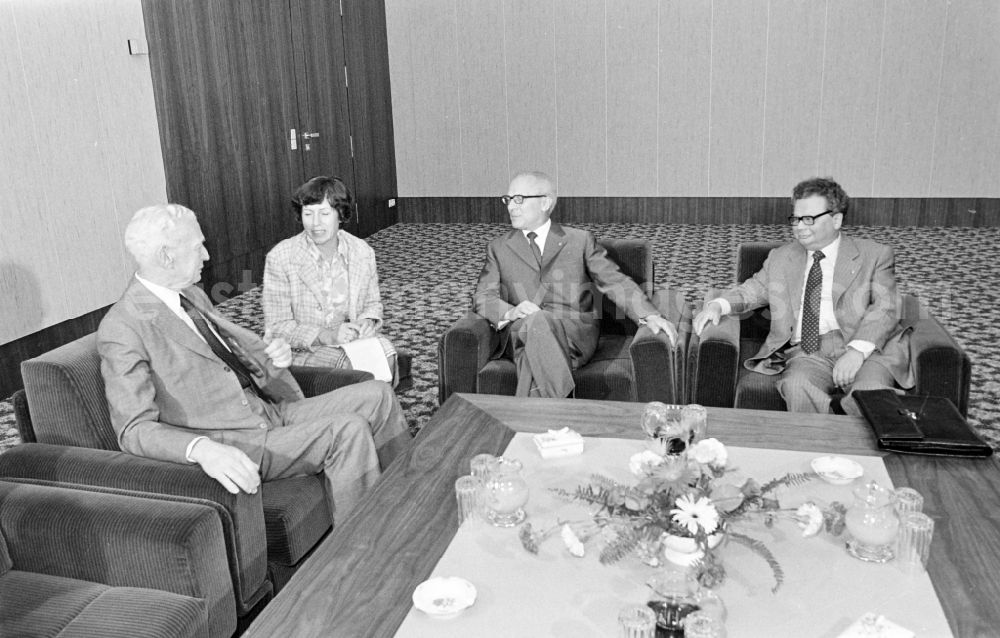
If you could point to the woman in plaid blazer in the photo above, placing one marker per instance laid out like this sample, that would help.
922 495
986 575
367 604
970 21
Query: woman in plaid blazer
321 286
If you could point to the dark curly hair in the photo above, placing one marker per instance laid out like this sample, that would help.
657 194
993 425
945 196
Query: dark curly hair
331 189
836 199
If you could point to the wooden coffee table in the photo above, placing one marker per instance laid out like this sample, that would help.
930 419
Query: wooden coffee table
359 580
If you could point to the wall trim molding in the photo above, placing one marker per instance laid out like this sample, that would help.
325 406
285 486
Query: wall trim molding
866 211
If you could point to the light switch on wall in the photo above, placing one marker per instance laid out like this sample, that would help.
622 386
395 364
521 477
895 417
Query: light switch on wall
137 46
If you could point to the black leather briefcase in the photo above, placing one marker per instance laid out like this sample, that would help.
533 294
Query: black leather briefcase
919 424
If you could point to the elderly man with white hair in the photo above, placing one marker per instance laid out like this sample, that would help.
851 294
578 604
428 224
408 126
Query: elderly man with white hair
188 386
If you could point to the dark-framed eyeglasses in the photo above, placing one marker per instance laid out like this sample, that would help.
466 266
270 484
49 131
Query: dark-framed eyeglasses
518 199
808 220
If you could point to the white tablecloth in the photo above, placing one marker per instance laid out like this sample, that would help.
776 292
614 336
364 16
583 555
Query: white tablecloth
556 594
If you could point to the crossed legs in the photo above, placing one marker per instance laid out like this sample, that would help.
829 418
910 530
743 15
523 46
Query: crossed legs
541 355
350 434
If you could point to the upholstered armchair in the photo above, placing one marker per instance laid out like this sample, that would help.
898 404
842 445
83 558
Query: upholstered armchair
717 377
630 364
83 563
64 410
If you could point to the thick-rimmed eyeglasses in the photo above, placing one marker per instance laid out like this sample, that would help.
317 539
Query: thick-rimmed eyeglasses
808 220
517 199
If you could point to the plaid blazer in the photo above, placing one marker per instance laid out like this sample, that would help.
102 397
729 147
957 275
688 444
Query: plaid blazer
294 305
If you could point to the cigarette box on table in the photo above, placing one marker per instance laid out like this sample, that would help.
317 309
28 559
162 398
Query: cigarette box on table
556 443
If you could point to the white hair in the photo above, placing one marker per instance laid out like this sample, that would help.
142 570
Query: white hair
149 229
544 180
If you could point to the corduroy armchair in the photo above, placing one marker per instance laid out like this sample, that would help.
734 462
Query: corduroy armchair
717 377
101 564
630 364
63 405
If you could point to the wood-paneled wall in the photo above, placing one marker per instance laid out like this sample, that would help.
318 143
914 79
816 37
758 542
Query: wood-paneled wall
80 154
697 98
865 211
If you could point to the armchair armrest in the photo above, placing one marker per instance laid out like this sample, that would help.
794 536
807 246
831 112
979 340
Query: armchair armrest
940 366
120 540
22 417
714 362
462 352
317 381
242 515
658 365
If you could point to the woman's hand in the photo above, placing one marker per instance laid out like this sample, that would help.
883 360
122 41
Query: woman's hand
366 328
347 332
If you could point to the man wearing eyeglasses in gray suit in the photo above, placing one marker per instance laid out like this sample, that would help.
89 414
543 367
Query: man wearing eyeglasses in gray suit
538 289
835 310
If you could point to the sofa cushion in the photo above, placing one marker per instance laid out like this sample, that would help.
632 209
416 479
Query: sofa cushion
607 376
499 376
296 515
43 605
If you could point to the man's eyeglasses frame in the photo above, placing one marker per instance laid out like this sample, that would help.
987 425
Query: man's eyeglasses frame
808 220
517 199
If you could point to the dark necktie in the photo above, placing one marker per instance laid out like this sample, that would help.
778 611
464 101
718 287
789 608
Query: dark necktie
810 305
221 351
534 247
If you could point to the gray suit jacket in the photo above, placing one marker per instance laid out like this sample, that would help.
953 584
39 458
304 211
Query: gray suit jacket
865 302
574 269
165 386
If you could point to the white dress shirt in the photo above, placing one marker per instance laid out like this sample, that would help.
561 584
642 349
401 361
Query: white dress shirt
542 233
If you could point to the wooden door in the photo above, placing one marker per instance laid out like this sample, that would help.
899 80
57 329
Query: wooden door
370 99
322 93
226 99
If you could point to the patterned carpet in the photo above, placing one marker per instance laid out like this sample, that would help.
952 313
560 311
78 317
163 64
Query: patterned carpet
428 272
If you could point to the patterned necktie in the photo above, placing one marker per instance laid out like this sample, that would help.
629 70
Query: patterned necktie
534 247
810 306
221 351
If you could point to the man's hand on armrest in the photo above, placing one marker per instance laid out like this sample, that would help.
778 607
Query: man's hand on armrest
711 312
657 323
228 465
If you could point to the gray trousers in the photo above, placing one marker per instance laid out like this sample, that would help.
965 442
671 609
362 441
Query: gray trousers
542 355
350 434
807 381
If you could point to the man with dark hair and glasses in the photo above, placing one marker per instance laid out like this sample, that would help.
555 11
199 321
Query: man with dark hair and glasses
537 288
835 311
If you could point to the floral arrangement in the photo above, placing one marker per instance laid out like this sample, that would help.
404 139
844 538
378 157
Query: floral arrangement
682 496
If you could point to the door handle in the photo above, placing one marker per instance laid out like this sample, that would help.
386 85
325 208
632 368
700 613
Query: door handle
307 136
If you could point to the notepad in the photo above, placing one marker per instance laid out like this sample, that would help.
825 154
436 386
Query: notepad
367 354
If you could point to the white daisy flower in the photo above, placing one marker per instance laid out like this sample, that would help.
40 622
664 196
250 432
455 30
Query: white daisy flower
693 514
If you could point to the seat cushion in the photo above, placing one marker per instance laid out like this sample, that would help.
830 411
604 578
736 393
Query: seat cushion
296 516
498 376
607 376
43 605
755 391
